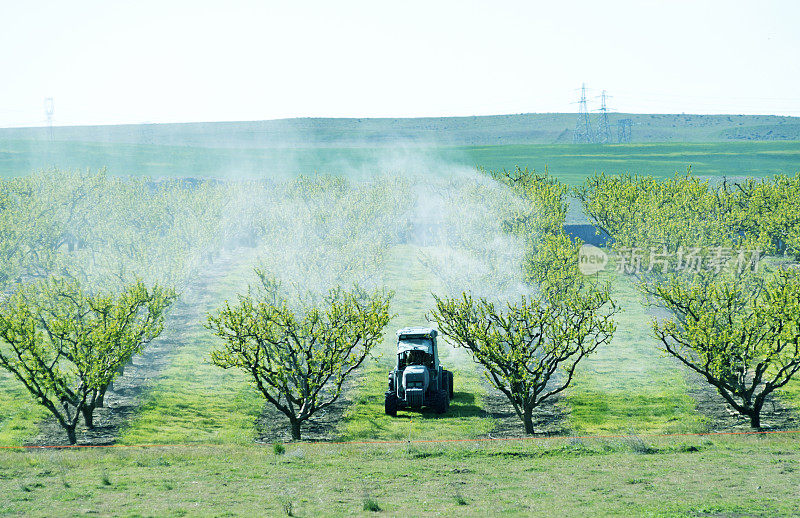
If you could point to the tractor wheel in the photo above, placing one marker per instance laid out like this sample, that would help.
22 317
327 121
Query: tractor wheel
441 402
450 384
390 404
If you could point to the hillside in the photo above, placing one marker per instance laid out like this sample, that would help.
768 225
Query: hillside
548 128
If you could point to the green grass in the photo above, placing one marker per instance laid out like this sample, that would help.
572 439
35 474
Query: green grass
630 384
734 476
365 420
570 163
195 401
790 394
20 413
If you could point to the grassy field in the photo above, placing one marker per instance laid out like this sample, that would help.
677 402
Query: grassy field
195 401
20 415
570 163
630 385
630 476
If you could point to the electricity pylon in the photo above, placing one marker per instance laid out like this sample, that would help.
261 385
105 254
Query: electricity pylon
624 130
603 130
583 129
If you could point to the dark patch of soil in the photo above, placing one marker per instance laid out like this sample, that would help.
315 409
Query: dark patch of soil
273 425
723 418
720 415
129 390
548 418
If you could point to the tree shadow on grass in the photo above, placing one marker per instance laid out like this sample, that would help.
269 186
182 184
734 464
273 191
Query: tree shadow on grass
462 405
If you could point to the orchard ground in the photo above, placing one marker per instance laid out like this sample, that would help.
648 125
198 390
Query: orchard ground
626 476
628 389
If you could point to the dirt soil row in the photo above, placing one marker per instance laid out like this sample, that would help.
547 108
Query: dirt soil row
721 417
129 390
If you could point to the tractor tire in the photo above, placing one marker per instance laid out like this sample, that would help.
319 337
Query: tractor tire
450 384
441 402
390 404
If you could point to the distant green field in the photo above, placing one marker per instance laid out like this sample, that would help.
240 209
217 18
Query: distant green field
571 163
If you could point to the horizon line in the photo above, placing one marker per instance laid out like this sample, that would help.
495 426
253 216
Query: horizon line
241 121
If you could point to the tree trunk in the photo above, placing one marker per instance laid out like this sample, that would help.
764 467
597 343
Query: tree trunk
71 434
527 419
101 397
295 429
755 417
88 417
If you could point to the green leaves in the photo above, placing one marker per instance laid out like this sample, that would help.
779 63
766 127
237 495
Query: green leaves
741 332
546 199
299 360
684 211
735 326
66 345
530 349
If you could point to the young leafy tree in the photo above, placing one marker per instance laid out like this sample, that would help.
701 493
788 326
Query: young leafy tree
546 199
740 332
66 346
530 349
768 208
642 211
735 328
105 332
645 212
299 360
43 217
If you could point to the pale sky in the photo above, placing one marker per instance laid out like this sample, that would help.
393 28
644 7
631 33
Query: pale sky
112 62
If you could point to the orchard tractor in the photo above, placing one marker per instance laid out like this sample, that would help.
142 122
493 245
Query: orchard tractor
418 379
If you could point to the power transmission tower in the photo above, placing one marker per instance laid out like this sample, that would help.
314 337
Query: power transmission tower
48 111
583 129
624 130
603 130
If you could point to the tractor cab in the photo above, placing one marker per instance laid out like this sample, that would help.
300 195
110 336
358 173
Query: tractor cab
417 349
